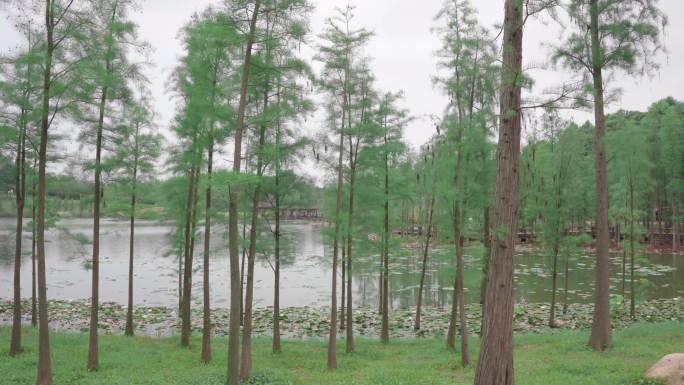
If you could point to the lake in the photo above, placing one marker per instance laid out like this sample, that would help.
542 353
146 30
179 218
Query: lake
305 276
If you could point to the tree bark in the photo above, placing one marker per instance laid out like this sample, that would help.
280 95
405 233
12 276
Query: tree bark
332 337
385 255
206 313
350 326
93 356
129 311
632 296
343 318
426 249
495 363
44 369
235 290
246 366
187 257
601 337
34 307
20 193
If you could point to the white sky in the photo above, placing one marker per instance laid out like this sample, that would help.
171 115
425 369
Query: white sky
403 49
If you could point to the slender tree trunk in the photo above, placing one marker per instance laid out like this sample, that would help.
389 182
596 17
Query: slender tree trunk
350 318
187 256
426 249
246 365
129 311
44 369
495 363
343 311
235 290
93 356
20 193
554 282
601 333
566 277
675 224
206 313
384 335
242 269
624 275
632 305
276 278
276 251
34 308
486 239
332 337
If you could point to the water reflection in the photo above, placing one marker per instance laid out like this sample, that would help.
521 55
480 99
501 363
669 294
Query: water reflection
305 277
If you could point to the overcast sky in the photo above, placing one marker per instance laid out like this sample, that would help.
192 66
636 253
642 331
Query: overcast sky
403 49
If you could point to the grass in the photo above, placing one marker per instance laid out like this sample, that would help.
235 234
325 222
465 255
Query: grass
556 358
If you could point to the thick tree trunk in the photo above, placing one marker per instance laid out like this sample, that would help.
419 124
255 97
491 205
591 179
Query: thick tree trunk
235 290
426 249
601 333
206 311
495 363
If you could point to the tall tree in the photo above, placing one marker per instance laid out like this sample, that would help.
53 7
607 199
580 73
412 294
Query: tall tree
235 290
18 89
338 53
608 36
495 363
137 149
106 74
62 27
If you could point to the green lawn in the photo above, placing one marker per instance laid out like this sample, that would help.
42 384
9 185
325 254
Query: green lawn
556 358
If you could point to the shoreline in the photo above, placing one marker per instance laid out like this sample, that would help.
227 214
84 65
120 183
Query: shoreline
312 322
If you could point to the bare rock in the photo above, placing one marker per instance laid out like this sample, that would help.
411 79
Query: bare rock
670 367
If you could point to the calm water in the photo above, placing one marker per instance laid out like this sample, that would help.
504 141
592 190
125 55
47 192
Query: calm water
305 276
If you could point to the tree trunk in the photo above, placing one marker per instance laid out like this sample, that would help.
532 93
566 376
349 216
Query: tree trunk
188 256
235 290
20 193
206 313
350 318
34 309
565 283
129 310
554 280
601 337
246 365
93 356
632 302
495 363
44 369
384 335
332 337
343 311
421 286
675 224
